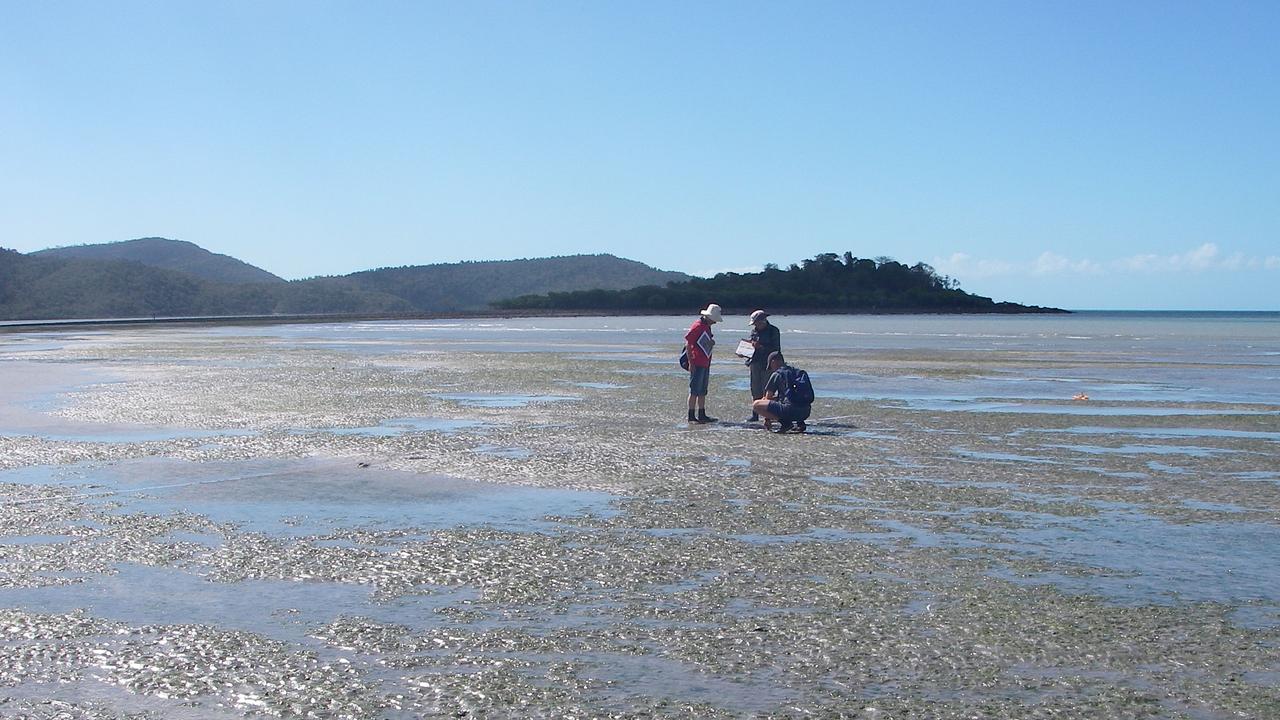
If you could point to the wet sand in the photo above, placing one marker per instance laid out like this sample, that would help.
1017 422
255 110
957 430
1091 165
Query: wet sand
201 525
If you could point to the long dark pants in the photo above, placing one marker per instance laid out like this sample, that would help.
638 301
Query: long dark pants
759 376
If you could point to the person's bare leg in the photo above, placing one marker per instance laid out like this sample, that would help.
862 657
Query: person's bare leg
761 408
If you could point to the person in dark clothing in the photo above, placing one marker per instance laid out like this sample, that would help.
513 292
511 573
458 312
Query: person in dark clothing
766 339
778 403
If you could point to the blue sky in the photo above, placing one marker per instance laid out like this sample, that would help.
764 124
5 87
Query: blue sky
1077 154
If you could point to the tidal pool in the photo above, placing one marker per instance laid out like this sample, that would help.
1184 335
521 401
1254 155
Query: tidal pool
400 426
305 496
1079 408
506 401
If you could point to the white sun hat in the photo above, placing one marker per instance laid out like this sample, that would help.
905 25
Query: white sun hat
712 313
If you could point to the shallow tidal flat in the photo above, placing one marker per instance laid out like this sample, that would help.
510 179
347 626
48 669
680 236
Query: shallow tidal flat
416 521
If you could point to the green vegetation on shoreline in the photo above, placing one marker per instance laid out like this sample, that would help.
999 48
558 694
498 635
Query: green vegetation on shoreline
158 278
825 284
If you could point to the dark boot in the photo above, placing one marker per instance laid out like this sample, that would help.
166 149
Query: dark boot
703 417
755 417
692 418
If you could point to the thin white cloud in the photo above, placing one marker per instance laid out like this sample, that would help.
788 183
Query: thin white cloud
1050 263
1206 257
1202 258
1240 261
1236 261
965 265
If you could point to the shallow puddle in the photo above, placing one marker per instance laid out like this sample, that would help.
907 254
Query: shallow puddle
301 497
506 401
1082 408
1159 561
399 426
1188 450
1169 432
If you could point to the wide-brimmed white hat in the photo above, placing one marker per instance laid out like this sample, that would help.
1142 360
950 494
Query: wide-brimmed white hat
712 313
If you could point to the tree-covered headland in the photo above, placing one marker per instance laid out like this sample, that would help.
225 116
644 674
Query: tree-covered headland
825 283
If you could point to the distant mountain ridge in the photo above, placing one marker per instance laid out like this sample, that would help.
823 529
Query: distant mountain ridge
161 277
158 277
169 254
477 285
42 287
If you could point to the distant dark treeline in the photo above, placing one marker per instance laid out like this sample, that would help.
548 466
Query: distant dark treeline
825 283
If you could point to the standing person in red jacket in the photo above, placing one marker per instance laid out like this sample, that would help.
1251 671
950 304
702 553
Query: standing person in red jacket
698 343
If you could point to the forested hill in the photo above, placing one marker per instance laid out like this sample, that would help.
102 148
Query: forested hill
168 254
153 279
477 285
129 280
826 283
40 287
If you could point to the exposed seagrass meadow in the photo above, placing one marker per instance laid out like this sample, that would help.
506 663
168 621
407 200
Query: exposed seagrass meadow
512 519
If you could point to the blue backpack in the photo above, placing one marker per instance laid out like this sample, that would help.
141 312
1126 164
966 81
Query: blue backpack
799 390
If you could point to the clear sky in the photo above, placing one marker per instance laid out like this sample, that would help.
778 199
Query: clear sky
1079 154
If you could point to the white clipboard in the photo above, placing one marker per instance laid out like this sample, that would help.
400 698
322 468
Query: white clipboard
705 343
745 349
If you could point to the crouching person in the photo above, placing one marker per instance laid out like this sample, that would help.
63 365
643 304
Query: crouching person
788 396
